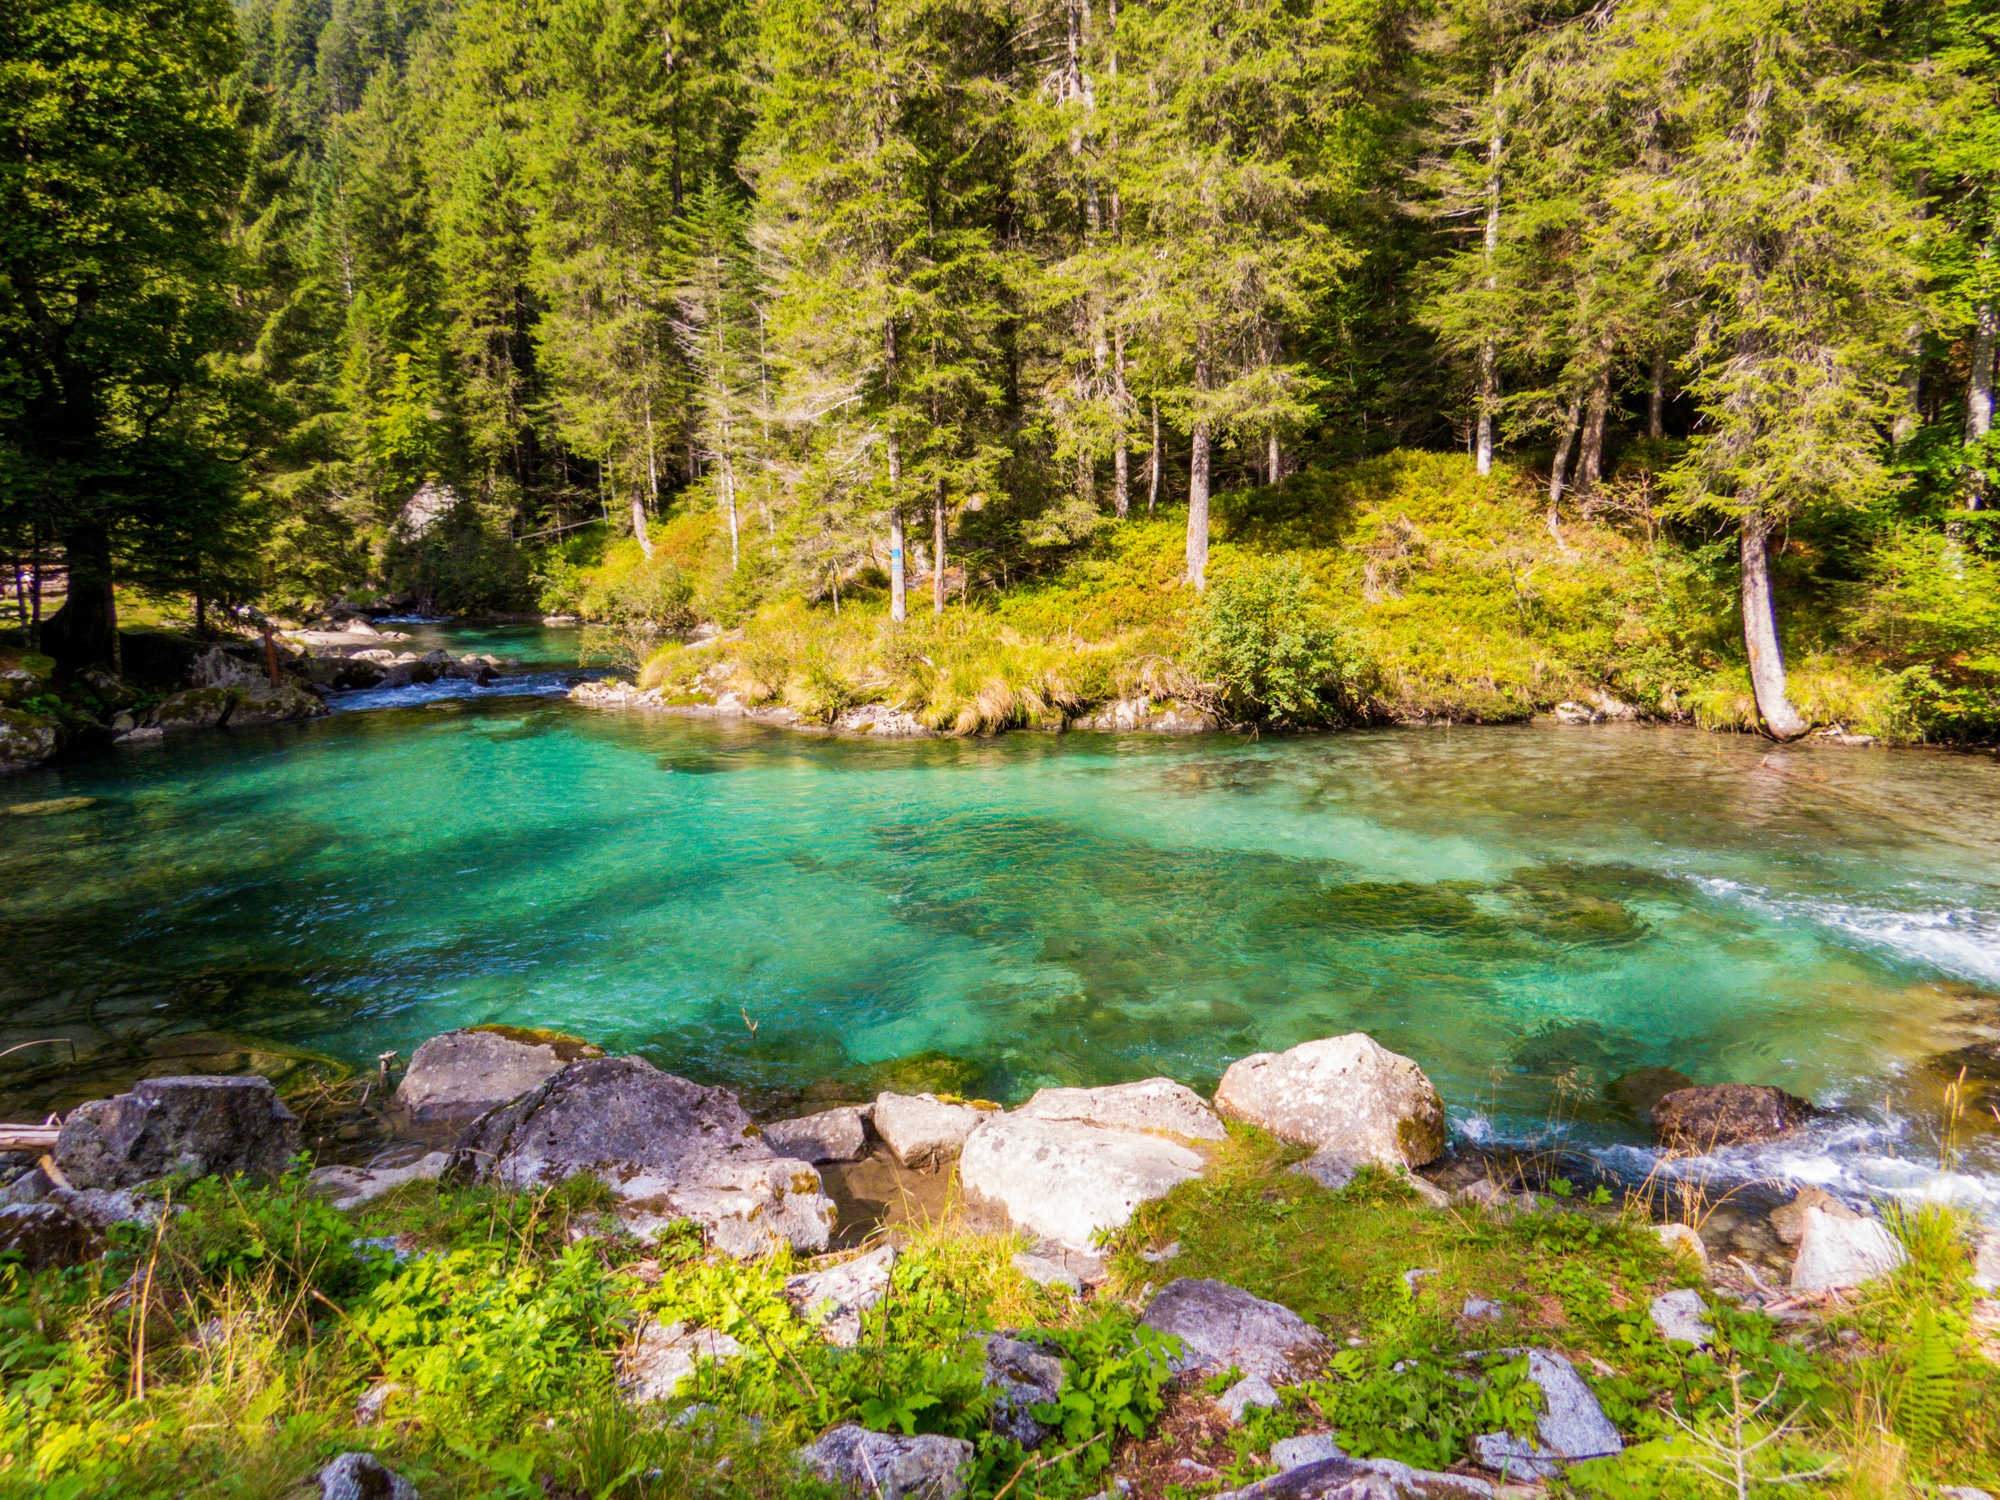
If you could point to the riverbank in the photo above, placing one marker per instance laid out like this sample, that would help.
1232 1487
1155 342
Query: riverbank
1265 1309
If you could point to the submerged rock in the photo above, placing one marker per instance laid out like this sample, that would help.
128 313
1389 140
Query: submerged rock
199 1125
922 1129
1727 1114
831 1135
1156 1105
460 1075
1223 1326
1348 1092
1065 1181
663 1144
888 1466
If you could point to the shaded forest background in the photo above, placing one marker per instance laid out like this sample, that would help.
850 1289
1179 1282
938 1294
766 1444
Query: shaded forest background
1514 349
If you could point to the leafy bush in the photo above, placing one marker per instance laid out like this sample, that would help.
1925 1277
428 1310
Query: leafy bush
1270 651
232 1230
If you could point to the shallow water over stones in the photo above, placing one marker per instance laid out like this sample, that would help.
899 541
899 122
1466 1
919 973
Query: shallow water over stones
1530 913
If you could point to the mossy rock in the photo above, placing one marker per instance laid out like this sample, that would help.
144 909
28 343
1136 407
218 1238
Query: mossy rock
50 807
927 1073
197 708
26 739
567 1048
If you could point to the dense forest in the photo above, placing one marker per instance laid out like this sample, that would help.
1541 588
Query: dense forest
657 310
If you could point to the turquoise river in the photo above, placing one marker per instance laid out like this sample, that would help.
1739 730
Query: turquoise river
1529 912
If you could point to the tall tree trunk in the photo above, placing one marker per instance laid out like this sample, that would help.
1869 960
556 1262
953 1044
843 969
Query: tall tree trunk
1153 462
729 489
1121 454
1273 459
1760 634
1911 414
937 535
84 632
1979 392
639 524
1197 525
1656 400
1590 462
898 598
1559 470
1489 361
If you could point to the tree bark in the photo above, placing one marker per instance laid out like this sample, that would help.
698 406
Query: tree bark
84 632
1489 376
1121 454
1911 417
1153 462
1979 394
1656 401
639 525
1197 526
1560 468
1274 460
898 600
937 535
1760 634
1590 462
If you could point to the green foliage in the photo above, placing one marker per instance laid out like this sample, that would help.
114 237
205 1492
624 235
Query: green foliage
1270 650
229 1229
1405 1402
1115 1375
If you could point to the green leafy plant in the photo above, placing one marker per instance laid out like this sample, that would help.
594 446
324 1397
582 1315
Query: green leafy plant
1270 652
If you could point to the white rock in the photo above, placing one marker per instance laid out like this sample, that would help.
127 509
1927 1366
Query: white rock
889 1466
350 1187
1571 1427
1153 1104
1986 1260
665 1355
1680 1238
1682 1315
922 1130
1346 1092
1045 1272
1297 1452
1250 1391
836 1297
1843 1252
1478 1307
831 1135
1066 1181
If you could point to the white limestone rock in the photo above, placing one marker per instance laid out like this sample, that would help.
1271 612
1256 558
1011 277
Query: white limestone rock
1346 1092
1157 1105
1066 1181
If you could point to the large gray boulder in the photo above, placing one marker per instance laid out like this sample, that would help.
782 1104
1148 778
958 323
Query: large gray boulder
1222 1325
1572 1426
1343 1478
1065 1181
203 1125
1026 1375
1841 1248
889 1466
457 1077
922 1129
666 1146
836 1297
831 1135
1346 1092
45 1235
1158 1105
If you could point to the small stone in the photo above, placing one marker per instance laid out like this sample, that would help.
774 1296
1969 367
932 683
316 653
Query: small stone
1490 1195
1045 1272
1477 1308
1162 1255
889 1466
1297 1452
665 1355
1250 1391
374 1401
836 1297
362 1476
831 1135
1223 1326
1330 1167
1682 1240
1843 1252
1681 1316
921 1129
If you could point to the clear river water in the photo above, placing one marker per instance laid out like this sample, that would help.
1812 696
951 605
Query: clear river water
1529 912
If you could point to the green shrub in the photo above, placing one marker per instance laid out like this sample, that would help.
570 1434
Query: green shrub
1270 652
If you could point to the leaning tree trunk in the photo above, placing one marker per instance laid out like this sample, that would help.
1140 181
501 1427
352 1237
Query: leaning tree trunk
84 632
639 524
937 536
1760 634
1590 462
1559 471
1197 526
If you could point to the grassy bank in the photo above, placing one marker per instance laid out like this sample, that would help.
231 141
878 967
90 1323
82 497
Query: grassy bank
1405 588
230 1353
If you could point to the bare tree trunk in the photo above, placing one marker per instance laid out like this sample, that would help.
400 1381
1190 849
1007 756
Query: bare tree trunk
1121 454
729 489
1153 462
1590 462
639 524
1911 416
1273 459
1656 401
937 565
1197 526
1560 468
1760 634
1979 392
1489 375
898 598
